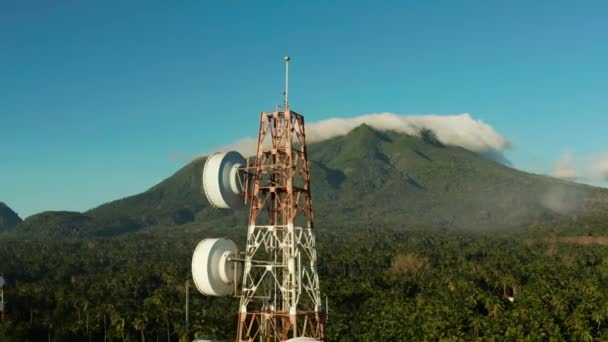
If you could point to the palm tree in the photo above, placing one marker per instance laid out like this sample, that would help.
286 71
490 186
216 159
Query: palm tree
106 310
140 325
119 326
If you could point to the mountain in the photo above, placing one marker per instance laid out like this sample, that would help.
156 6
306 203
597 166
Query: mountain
8 218
74 225
396 178
366 178
174 201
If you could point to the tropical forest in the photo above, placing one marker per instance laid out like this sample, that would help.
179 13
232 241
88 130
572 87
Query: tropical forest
416 241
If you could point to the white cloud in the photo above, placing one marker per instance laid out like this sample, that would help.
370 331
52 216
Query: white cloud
565 167
603 166
246 146
455 130
178 156
598 167
590 169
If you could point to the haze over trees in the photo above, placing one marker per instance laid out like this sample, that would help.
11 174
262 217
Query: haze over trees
416 240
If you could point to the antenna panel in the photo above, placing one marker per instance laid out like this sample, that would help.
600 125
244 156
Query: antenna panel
212 271
221 182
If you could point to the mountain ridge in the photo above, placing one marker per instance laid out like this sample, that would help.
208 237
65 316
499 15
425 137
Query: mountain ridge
8 218
364 178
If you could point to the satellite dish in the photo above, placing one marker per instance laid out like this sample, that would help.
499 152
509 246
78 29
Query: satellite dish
1 281
221 181
212 271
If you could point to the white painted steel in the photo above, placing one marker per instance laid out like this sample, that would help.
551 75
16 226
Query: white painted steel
222 184
212 271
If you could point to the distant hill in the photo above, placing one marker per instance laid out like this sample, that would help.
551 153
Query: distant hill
70 224
365 178
174 201
393 178
8 218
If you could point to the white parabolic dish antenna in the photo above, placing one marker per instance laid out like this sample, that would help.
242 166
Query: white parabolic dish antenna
212 271
221 182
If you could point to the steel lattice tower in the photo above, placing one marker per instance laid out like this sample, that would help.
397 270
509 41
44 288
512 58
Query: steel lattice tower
280 296
279 285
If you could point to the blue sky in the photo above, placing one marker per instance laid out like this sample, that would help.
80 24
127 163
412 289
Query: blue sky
97 98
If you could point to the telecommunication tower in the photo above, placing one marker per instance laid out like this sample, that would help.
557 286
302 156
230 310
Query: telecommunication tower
275 276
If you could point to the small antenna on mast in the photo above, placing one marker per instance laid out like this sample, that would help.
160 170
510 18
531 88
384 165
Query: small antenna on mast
287 59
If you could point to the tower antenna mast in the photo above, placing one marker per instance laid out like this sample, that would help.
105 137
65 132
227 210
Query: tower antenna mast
287 59
276 276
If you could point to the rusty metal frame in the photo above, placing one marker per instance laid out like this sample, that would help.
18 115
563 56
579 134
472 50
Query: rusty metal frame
280 296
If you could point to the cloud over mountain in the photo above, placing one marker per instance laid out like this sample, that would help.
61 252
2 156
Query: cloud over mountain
599 166
565 167
592 168
454 130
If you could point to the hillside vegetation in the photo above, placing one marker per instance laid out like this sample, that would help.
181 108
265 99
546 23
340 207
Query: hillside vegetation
383 284
416 241
364 177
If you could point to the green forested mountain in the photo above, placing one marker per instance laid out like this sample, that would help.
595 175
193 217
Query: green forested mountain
387 177
366 176
174 201
8 218
416 241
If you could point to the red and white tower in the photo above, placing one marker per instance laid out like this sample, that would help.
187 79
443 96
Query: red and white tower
279 285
